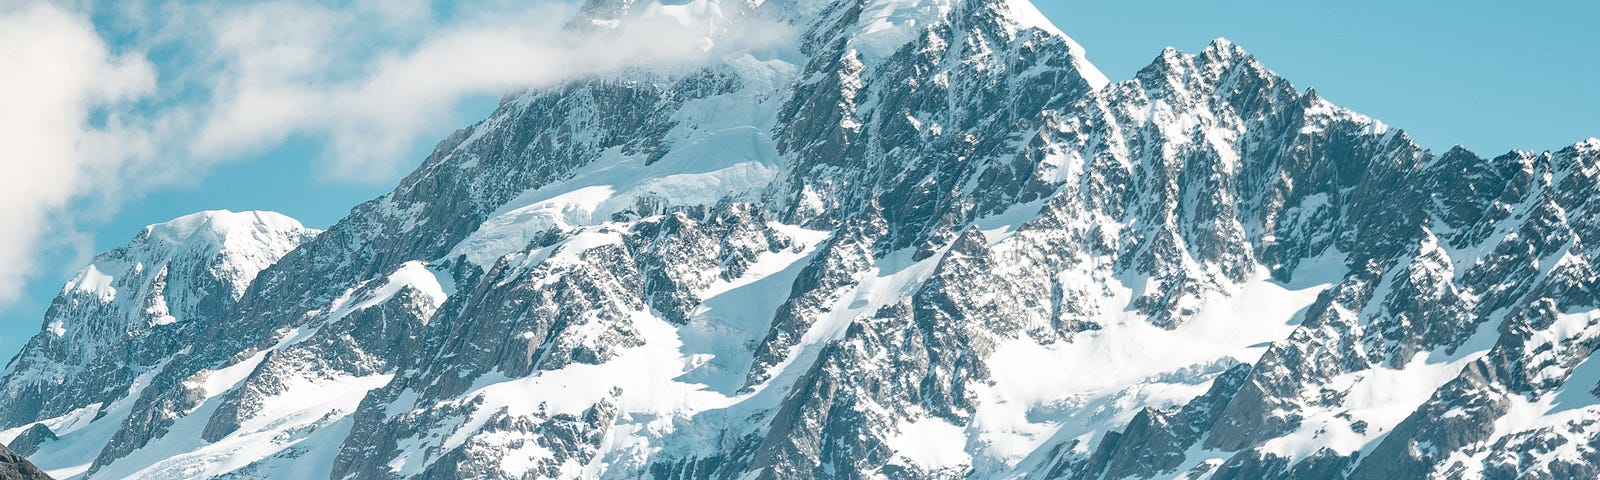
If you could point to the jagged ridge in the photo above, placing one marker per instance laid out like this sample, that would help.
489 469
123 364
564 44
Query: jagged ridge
928 241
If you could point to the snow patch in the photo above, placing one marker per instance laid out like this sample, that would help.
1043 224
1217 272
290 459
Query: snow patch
932 443
721 148
414 274
82 433
1027 15
736 314
303 412
654 402
1091 372
1381 397
94 282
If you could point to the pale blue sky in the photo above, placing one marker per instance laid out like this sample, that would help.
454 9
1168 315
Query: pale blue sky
1492 76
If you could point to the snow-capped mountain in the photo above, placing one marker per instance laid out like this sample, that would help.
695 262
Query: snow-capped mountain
123 317
927 239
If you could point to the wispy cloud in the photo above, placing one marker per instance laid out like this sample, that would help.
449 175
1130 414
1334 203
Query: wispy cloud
179 88
320 76
58 72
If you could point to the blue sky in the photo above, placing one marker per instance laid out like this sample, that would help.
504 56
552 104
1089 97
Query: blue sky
1492 76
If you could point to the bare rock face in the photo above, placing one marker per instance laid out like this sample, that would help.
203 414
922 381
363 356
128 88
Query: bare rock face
14 466
27 442
922 239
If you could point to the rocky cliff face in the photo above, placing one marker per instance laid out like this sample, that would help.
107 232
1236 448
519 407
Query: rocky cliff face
14 466
926 240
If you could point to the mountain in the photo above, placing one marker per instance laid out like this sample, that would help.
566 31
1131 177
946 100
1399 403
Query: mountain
122 318
923 239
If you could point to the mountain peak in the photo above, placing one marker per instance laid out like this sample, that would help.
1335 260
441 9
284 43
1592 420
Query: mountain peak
220 225
235 245
1589 144
1218 61
1225 49
876 28
1459 150
1170 61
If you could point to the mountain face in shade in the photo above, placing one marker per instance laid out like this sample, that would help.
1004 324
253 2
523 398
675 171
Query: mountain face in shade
924 239
15 467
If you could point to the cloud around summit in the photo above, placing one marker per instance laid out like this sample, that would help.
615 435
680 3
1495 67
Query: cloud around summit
119 99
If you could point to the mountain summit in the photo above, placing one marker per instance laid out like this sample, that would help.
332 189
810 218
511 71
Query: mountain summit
923 239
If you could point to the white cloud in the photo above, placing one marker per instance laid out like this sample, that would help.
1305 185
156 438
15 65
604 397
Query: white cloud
374 82
86 125
58 72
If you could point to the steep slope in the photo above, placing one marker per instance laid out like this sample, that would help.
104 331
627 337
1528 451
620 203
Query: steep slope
124 316
15 467
926 240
